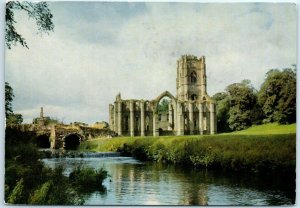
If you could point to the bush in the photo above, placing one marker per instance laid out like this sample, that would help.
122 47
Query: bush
41 195
251 153
87 179
28 181
17 194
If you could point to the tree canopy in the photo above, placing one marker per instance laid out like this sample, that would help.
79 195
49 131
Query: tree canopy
241 105
38 11
277 96
11 118
223 106
9 95
242 100
163 105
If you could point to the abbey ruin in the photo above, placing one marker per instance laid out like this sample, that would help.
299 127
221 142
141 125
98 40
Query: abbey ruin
191 112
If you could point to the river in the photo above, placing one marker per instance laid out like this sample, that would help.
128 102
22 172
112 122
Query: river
132 182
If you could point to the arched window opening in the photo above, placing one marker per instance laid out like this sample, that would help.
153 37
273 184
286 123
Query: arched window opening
126 123
136 123
204 98
185 120
193 97
159 117
160 131
147 123
163 104
193 77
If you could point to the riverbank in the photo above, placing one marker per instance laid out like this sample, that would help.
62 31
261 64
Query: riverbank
265 148
29 181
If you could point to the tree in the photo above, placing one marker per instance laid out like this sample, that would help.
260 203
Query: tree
222 106
9 95
38 11
163 106
242 99
11 118
277 96
14 118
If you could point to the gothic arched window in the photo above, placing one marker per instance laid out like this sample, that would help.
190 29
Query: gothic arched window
126 123
194 97
193 77
147 123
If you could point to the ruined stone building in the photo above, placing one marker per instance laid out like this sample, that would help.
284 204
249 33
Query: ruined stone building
44 120
190 112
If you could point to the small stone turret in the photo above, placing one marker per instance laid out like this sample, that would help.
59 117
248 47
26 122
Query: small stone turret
41 121
42 113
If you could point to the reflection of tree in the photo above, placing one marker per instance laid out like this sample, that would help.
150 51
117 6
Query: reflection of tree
158 183
195 194
133 182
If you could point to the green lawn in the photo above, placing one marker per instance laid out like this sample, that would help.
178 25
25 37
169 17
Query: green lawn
272 128
104 144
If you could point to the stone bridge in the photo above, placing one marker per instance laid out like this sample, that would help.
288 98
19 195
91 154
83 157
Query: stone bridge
63 136
69 137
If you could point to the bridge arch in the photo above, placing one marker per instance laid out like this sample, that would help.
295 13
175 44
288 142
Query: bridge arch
71 141
43 141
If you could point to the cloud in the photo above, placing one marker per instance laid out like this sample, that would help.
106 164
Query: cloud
100 49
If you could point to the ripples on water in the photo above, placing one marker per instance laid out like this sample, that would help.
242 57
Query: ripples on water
136 183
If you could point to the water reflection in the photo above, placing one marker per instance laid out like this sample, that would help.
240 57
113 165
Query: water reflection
136 183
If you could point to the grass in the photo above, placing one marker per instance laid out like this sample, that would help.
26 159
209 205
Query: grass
268 129
262 148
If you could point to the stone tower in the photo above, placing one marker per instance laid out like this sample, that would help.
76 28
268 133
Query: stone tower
41 120
42 113
191 78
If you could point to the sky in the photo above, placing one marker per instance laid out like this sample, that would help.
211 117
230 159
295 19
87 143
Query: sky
100 49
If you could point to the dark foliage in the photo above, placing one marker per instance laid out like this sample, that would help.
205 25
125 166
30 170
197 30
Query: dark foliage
11 118
277 96
250 154
237 107
242 100
223 106
28 181
14 118
38 11
241 106
9 96
87 179
163 106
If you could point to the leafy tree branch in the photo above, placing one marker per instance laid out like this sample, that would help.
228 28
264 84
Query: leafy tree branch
38 11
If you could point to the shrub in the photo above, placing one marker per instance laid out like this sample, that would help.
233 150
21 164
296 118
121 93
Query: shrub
18 194
28 181
41 195
87 179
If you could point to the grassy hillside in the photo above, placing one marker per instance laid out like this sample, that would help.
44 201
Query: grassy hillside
253 149
272 128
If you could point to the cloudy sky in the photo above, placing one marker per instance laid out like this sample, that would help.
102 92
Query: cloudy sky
99 49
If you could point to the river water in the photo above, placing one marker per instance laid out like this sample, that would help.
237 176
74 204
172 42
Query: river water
132 182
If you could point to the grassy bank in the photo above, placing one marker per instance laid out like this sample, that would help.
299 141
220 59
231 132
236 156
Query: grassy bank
268 129
249 150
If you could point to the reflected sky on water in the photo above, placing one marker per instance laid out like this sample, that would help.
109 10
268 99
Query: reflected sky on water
132 182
